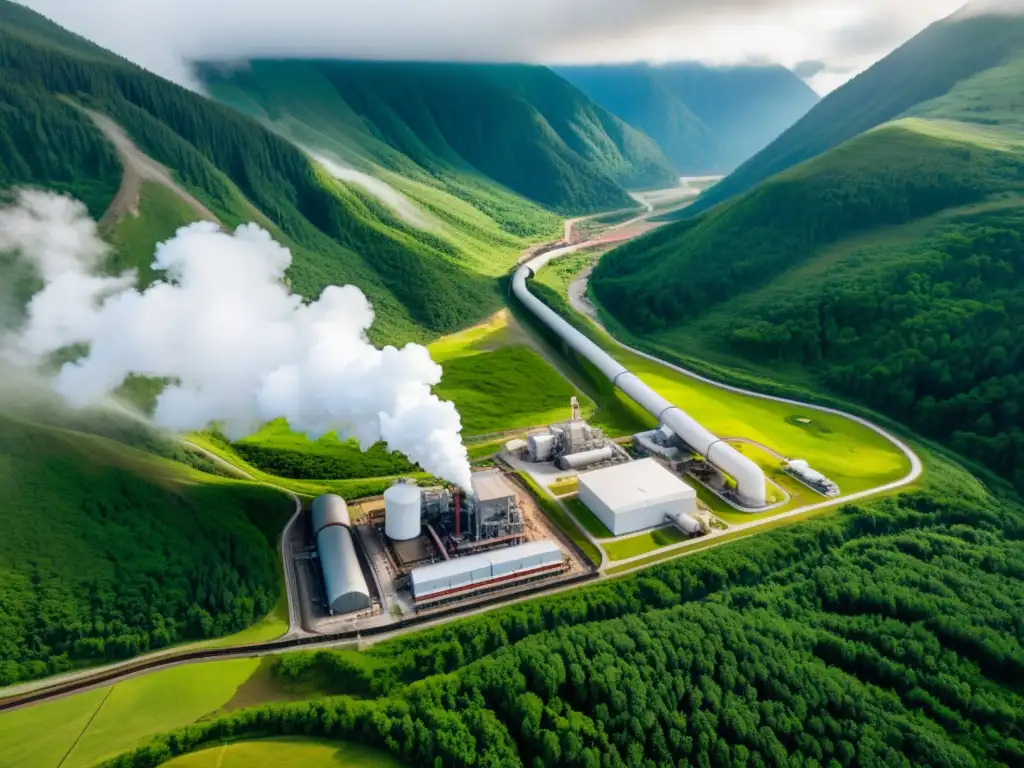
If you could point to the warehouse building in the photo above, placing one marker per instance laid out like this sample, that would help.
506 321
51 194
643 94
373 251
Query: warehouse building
635 496
344 583
464 576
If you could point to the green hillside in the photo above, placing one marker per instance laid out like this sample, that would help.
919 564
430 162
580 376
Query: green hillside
109 551
889 270
520 126
941 58
706 119
417 279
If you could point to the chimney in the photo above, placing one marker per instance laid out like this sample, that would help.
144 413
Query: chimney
458 513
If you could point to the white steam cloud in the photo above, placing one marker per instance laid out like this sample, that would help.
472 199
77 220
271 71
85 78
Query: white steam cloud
238 347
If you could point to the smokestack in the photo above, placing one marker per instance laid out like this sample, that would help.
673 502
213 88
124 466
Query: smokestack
458 513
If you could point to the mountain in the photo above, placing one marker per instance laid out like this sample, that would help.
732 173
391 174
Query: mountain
889 269
941 60
706 119
64 102
109 551
520 126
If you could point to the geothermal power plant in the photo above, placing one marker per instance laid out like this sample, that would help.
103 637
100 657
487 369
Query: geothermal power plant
416 549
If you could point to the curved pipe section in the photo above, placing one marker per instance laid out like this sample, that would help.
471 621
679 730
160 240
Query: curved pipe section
750 482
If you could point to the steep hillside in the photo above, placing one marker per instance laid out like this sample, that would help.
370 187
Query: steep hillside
520 126
707 119
86 576
890 269
947 54
239 170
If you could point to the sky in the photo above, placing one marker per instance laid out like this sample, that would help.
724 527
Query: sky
825 41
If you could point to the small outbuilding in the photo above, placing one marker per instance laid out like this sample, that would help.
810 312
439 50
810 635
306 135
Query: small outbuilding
635 496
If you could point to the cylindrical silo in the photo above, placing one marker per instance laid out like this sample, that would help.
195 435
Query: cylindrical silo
586 458
402 512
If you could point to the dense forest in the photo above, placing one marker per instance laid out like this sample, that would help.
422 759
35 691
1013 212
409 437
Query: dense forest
231 163
85 577
522 126
888 635
927 67
889 270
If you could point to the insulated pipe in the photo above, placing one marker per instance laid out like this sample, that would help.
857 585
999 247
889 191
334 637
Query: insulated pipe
750 482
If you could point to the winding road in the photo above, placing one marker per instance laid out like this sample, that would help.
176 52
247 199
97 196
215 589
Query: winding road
37 691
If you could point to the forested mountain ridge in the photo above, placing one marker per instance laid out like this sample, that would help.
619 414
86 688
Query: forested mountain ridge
888 269
240 170
706 119
518 125
928 66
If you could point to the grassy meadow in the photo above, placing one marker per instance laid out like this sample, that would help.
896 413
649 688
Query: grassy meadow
275 753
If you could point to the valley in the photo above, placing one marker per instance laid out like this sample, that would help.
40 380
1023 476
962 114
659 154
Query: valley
509 414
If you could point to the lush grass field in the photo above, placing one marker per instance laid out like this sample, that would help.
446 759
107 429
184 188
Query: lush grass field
586 518
856 457
499 382
278 753
643 543
119 717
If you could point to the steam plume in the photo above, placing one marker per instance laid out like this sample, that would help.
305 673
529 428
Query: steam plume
238 347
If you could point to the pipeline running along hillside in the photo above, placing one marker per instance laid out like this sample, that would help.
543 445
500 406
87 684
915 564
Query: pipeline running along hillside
750 480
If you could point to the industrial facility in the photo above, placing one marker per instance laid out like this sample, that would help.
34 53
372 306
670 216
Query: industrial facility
750 488
483 572
816 481
344 583
573 444
639 495
447 543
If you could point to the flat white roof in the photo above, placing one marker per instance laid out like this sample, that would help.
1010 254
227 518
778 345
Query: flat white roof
635 484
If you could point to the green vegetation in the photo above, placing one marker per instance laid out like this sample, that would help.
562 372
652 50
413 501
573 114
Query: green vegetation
87 577
586 518
499 382
419 281
96 725
643 543
854 456
882 635
918 317
951 57
558 516
347 489
278 451
274 753
545 139
704 118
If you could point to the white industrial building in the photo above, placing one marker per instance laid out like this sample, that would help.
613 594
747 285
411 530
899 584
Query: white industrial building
463 576
635 496
344 584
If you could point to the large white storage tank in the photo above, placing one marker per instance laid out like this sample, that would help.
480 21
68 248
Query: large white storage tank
540 447
402 512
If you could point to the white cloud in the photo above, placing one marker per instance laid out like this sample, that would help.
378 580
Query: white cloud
238 347
847 35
